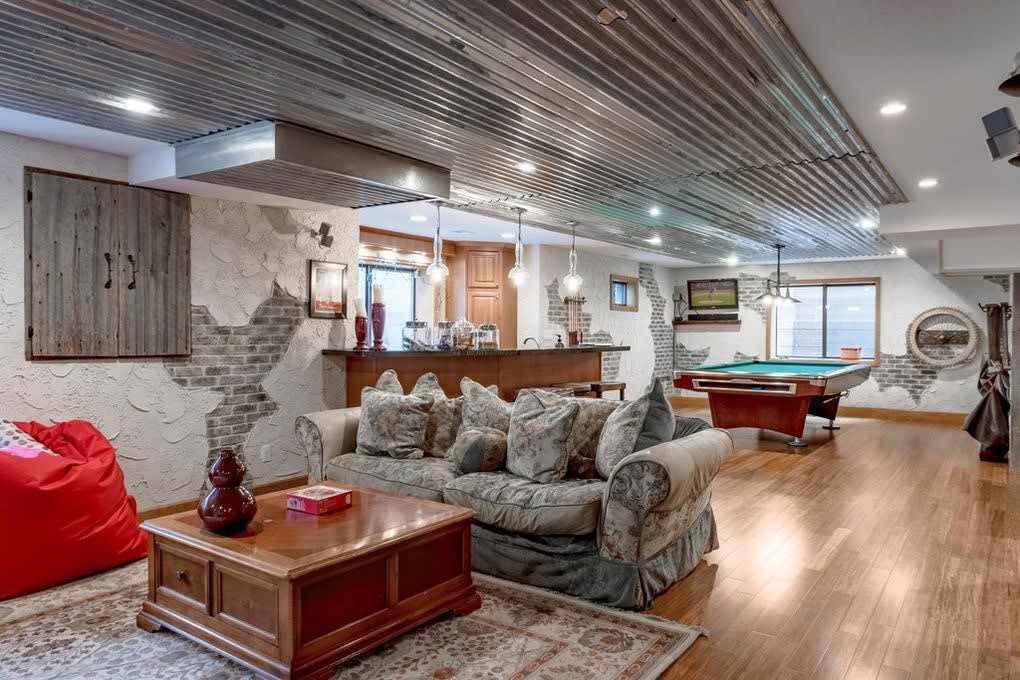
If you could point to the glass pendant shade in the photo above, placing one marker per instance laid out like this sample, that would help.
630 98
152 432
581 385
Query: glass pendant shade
518 274
572 281
775 296
437 271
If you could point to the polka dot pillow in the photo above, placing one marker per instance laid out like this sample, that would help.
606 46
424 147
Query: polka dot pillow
15 442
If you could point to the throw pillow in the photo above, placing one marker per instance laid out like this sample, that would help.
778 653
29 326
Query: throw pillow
444 416
17 442
685 427
583 440
482 408
388 382
537 440
481 449
620 434
659 422
392 424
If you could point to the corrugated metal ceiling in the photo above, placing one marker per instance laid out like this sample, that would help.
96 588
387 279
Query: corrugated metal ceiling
706 109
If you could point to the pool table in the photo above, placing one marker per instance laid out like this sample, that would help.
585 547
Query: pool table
775 395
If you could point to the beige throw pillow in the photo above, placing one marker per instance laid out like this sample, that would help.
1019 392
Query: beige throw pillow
537 440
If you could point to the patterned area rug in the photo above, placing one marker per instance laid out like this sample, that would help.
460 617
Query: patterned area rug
86 629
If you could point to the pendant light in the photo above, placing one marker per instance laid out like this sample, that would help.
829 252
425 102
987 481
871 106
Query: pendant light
572 281
518 274
774 296
437 271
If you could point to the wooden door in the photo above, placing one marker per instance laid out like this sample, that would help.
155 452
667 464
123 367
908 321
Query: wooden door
483 269
155 273
71 234
484 307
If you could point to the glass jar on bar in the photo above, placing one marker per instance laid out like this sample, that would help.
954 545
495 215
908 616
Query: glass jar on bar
487 336
417 336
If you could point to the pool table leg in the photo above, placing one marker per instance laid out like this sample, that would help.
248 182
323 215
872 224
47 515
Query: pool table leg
831 426
797 443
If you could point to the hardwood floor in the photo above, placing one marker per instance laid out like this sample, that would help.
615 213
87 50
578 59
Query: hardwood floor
885 551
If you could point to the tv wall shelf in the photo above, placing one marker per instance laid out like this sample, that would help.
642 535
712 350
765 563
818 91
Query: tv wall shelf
707 322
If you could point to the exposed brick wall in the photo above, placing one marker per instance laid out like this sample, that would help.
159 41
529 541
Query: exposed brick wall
740 356
661 330
557 314
234 360
904 370
750 286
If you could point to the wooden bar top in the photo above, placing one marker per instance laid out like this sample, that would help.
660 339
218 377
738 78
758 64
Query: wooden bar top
453 353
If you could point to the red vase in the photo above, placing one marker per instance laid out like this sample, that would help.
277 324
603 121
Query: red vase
361 333
228 507
378 323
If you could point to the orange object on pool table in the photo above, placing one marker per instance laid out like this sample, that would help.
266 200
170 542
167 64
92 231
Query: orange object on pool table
775 395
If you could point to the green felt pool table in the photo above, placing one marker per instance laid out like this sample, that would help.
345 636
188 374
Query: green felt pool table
775 395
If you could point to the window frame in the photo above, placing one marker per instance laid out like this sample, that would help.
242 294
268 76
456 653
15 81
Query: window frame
633 295
367 290
807 283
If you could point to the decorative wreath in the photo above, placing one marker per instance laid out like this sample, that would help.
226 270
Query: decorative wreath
927 331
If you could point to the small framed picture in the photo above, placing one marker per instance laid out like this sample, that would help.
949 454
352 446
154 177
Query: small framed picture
327 290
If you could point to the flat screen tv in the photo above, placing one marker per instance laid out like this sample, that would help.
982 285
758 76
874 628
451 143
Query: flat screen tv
712 294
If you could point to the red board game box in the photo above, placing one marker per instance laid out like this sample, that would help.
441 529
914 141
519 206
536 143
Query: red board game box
318 500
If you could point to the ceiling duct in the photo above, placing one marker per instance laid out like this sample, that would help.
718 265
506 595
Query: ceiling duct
292 161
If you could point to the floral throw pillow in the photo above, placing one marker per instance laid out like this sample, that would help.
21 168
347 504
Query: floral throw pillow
583 441
480 449
620 435
388 382
659 421
537 440
483 408
392 424
15 442
444 416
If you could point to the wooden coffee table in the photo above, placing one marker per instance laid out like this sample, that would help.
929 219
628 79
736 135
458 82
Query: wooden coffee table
297 594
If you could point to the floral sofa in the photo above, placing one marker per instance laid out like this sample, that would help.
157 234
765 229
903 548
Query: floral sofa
617 533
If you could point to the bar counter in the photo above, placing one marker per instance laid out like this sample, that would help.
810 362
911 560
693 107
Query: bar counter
509 369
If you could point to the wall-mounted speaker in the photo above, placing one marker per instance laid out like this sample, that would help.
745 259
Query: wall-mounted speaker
1003 136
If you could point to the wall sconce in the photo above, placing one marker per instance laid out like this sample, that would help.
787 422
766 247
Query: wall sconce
322 235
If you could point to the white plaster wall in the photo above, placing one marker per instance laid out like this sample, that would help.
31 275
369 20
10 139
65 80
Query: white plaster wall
906 291
157 427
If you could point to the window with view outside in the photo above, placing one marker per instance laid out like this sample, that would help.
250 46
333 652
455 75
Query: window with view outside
828 318
398 294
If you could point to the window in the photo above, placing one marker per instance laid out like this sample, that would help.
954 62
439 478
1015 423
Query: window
398 286
623 293
831 315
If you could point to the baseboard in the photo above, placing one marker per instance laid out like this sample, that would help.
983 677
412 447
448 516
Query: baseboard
933 417
257 490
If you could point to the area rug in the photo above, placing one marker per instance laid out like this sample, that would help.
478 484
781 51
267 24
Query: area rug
86 629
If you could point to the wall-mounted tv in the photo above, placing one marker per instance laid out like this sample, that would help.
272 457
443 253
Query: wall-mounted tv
712 294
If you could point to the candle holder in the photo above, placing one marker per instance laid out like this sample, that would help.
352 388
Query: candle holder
361 333
378 324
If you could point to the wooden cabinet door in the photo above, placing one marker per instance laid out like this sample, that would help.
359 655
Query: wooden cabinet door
484 307
483 270
155 273
71 233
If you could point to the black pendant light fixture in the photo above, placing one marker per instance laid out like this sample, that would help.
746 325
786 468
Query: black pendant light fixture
773 295
1011 83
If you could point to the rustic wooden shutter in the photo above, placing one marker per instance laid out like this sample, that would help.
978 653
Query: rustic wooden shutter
71 233
155 273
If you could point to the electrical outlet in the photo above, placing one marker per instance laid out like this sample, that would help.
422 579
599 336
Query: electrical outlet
267 453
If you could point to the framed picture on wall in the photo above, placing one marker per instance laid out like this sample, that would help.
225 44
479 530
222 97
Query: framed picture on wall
327 290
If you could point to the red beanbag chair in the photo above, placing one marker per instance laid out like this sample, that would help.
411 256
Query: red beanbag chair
64 515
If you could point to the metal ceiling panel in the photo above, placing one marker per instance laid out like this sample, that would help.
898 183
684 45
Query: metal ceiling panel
707 109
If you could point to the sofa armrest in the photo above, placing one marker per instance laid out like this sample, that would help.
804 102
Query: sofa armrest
654 495
325 435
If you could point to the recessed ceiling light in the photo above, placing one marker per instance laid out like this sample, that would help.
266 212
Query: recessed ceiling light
892 108
508 235
899 251
655 240
867 223
928 183
526 166
135 105
418 218
732 260
654 211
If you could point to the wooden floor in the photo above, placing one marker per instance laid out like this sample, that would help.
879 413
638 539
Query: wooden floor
886 550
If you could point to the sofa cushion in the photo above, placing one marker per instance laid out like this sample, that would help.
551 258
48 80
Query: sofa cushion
516 504
481 449
583 440
620 434
422 477
389 382
392 424
482 408
444 416
659 421
537 441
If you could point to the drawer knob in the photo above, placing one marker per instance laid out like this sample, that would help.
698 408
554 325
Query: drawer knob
181 575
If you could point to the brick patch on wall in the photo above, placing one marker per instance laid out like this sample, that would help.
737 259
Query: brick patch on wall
557 315
740 356
234 360
906 371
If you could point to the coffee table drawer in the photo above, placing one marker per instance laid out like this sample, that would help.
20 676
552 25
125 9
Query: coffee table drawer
182 577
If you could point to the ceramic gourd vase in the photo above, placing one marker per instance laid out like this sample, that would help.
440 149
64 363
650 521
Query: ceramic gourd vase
228 507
